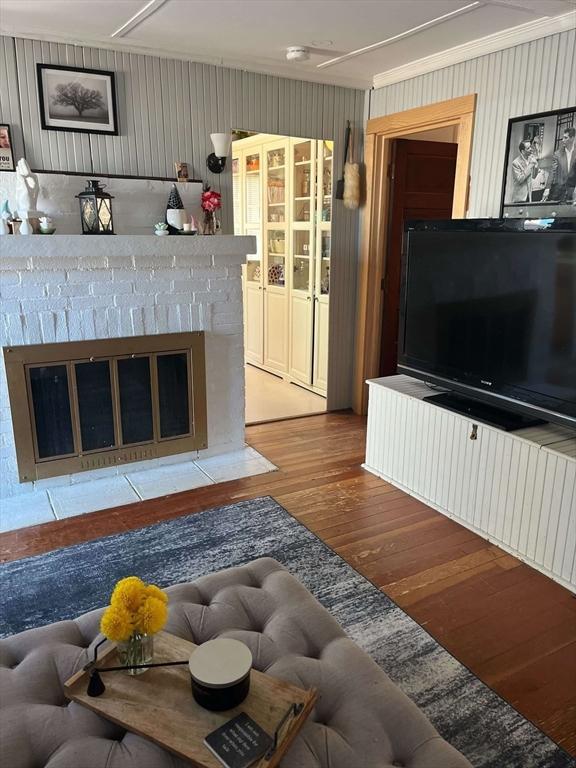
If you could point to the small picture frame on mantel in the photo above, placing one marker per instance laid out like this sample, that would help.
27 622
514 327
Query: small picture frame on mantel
182 172
77 99
6 151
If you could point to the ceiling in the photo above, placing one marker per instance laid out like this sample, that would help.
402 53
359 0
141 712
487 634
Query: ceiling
254 34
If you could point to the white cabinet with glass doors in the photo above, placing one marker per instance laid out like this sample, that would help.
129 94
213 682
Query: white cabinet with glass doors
287 282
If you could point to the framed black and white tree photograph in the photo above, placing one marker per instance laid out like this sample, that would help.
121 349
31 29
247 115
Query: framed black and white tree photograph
75 99
540 166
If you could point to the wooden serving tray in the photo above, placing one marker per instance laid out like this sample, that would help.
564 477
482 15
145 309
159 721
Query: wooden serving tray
159 704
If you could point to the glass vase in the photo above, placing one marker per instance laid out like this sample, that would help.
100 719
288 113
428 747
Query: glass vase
210 223
139 649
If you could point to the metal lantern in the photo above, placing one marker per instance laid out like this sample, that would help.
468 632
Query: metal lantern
96 209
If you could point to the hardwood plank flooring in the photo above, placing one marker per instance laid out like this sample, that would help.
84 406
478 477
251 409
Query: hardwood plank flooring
512 626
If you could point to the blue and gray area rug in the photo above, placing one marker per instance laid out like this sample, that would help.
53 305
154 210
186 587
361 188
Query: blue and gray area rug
67 582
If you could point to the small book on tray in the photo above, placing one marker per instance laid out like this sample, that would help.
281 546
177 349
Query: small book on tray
239 742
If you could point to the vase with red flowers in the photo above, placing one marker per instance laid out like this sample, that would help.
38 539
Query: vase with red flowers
211 202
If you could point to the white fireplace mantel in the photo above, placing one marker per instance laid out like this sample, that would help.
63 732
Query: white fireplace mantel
78 287
198 249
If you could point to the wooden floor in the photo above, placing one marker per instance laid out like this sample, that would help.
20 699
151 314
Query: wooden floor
513 627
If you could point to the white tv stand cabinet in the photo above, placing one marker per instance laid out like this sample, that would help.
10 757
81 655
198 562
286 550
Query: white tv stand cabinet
517 489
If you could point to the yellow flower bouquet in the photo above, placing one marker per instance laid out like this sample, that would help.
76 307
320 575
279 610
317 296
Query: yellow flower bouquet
136 612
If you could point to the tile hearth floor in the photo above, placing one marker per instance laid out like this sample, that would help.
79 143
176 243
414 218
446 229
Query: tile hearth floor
57 503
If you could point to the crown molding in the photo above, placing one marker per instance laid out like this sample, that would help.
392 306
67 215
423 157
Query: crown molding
508 38
258 66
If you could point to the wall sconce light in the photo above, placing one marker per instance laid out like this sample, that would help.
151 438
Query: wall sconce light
216 161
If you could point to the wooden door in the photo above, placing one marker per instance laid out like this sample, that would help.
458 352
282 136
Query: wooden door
421 187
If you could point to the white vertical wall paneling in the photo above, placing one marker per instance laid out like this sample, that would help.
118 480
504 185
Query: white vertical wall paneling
517 500
533 77
549 523
567 560
546 505
9 100
527 507
567 523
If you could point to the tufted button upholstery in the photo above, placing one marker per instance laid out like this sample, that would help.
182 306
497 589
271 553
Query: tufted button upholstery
361 719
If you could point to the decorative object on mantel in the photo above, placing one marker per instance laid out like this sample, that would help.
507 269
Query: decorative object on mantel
77 99
137 611
96 209
26 227
182 174
216 161
27 188
14 225
5 219
161 228
47 226
6 154
175 212
211 202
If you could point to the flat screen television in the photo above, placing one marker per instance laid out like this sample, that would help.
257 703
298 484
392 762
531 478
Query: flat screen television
488 312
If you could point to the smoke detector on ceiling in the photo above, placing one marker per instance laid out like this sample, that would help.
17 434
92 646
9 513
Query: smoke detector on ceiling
297 53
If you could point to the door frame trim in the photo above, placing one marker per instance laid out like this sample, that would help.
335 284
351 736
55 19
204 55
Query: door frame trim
380 132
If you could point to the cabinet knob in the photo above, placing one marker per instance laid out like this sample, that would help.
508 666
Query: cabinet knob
474 433
308 298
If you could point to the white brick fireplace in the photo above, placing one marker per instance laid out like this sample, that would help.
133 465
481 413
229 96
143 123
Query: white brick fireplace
71 288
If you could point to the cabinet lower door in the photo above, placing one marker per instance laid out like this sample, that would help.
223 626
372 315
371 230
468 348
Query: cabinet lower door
276 329
320 376
301 338
254 324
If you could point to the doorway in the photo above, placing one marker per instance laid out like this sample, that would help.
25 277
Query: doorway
456 114
421 187
282 194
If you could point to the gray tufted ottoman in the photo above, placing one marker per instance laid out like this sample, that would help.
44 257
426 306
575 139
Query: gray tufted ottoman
361 720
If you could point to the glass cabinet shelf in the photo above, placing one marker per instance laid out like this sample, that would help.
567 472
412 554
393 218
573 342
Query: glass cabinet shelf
253 163
302 152
253 270
276 158
276 271
301 274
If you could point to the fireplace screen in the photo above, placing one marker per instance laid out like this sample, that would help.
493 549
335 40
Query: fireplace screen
90 404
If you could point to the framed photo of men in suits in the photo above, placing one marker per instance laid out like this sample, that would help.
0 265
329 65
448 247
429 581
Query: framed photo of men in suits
540 165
